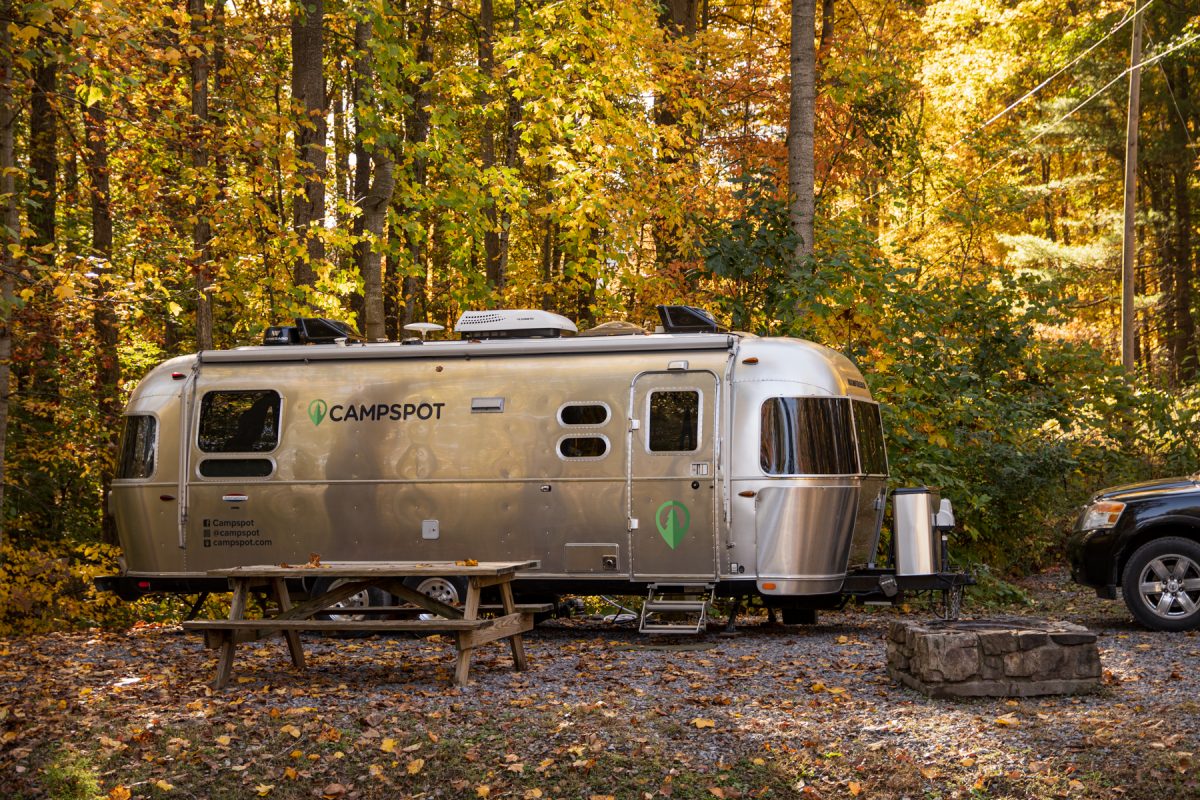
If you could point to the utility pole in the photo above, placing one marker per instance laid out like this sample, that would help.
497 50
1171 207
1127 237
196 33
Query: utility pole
1129 240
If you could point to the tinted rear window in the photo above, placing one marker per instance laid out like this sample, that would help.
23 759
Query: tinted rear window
872 454
808 436
138 444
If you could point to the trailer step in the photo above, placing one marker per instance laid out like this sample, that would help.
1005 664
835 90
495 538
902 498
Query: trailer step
676 608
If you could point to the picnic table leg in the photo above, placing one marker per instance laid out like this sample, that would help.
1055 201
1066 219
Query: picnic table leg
237 611
462 666
293 637
515 641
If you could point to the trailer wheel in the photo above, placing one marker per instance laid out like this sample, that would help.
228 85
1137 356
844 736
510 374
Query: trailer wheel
1161 585
799 616
451 591
344 611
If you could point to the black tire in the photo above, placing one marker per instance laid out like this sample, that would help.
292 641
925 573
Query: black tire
450 590
369 597
799 616
1161 584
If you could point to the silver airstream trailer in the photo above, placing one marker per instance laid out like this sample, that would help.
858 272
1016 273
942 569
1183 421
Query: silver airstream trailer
693 457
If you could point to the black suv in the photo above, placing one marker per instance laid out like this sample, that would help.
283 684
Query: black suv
1145 539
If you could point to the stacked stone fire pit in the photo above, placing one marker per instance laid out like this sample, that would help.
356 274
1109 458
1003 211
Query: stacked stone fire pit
1009 657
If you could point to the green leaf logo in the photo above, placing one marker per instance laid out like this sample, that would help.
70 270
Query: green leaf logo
673 519
317 410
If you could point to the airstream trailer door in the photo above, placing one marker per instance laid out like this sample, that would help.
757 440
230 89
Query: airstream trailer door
672 476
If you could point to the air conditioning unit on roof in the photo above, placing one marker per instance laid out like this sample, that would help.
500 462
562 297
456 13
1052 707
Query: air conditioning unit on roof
513 324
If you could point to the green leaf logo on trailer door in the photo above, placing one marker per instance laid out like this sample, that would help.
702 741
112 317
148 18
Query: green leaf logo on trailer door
673 519
317 410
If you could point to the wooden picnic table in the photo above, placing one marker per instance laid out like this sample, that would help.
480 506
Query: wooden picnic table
352 577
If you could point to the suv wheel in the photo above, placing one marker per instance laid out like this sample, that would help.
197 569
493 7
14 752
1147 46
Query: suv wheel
1161 585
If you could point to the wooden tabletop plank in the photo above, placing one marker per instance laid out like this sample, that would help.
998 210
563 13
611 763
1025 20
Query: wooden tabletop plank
362 625
369 569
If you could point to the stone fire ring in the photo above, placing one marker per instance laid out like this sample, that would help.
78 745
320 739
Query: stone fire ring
1005 657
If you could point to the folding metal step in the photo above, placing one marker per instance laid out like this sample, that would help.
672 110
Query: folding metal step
678 608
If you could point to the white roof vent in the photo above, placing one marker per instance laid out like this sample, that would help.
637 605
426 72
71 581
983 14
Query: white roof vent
513 324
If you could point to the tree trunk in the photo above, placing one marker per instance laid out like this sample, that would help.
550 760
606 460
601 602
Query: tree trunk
202 227
217 113
10 234
360 93
487 147
375 200
416 130
308 92
1183 348
43 147
801 123
512 153
677 18
827 18
108 365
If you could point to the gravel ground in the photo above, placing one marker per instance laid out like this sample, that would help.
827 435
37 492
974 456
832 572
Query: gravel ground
812 701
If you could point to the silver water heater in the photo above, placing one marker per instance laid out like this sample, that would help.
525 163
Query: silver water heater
919 533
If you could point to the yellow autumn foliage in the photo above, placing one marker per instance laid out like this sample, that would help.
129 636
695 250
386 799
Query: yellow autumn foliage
43 589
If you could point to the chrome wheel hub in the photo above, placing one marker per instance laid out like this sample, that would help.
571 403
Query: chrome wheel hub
1170 586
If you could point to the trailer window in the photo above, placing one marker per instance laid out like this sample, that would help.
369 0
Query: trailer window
674 421
138 443
577 447
583 414
236 467
808 436
239 422
869 428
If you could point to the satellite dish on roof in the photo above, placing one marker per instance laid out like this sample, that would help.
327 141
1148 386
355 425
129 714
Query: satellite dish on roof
424 328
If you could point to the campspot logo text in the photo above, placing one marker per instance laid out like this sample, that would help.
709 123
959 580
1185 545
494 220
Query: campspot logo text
319 411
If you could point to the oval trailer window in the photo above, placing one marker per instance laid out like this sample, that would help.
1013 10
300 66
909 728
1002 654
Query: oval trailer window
583 447
583 414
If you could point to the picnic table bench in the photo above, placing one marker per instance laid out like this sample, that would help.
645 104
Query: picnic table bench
348 578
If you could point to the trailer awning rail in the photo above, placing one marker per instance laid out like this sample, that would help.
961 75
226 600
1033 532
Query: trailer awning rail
666 343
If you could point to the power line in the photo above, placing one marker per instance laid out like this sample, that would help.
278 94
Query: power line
1129 17
1045 130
